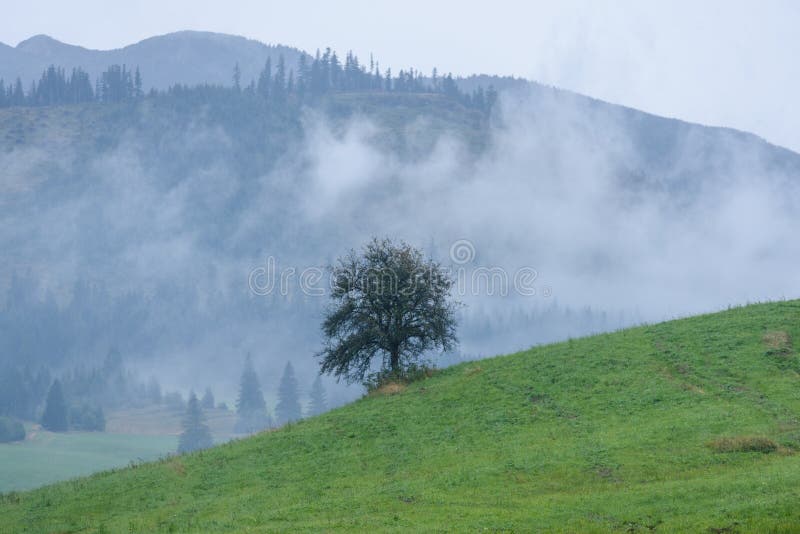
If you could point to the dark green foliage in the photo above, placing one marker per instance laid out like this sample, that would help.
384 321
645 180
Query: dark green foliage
250 405
196 434
288 408
319 402
208 399
87 418
388 303
11 430
55 417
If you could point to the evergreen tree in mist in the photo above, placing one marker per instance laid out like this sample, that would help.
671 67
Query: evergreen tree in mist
55 417
237 77
250 405
196 434
319 403
208 399
288 408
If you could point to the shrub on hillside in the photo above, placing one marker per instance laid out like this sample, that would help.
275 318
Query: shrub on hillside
412 373
744 444
11 430
778 343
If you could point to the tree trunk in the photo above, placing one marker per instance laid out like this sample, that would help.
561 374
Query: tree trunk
394 361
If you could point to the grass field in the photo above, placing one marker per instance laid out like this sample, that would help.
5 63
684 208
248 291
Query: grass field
48 457
686 426
133 435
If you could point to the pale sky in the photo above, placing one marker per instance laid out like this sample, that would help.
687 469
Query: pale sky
725 63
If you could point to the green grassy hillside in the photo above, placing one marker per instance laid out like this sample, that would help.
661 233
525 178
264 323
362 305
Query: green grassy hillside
690 425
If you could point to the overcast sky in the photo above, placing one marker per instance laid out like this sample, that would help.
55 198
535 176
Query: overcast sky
726 63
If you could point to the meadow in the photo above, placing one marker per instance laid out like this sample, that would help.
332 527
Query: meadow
47 457
689 425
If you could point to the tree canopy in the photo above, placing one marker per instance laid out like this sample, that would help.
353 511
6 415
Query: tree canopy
388 302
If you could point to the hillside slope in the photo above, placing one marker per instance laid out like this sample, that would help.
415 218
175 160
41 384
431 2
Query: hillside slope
615 432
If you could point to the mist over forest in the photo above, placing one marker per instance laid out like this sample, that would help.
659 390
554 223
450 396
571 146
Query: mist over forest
135 225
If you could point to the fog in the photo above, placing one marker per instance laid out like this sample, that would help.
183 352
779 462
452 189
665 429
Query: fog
622 218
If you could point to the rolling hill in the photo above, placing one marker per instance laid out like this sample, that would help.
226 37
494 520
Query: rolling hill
689 425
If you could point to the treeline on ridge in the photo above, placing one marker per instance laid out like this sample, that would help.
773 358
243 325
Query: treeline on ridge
279 84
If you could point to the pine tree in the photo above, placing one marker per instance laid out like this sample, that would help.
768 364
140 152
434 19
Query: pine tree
196 434
302 76
18 95
208 399
137 83
279 82
319 403
237 77
265 80
55 416
250 405
288 408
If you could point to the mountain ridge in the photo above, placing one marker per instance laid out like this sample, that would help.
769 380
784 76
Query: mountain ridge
187 57
171 58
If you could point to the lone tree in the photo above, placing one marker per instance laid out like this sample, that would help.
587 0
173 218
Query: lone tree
196 434
55 417
250 405
387 302
288 408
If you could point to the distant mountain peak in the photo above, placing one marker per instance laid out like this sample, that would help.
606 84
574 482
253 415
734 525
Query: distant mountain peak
44 45
187 57
38 41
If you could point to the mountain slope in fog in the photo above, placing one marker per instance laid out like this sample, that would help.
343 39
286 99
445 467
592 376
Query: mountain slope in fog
689 425
135 225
